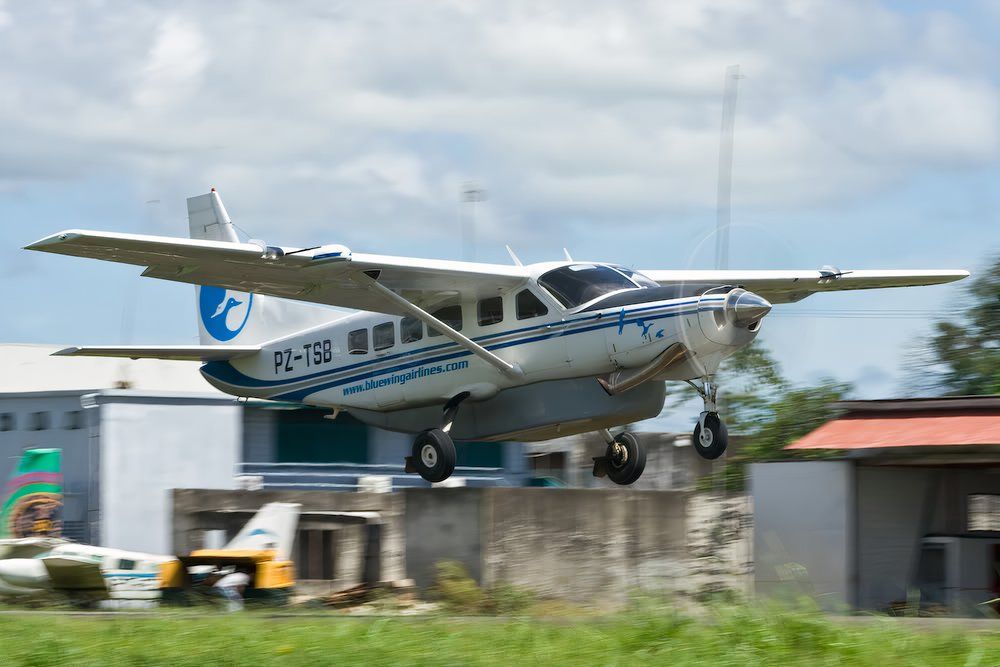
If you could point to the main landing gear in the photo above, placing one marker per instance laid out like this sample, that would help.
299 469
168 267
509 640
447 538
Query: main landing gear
710 436
433 455
623 460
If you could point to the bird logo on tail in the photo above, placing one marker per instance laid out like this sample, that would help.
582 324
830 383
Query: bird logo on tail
224 313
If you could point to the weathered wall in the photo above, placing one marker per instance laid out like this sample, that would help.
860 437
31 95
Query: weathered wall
442 524
590 546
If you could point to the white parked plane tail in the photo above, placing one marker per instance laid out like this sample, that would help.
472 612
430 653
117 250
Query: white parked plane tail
271 528
229 317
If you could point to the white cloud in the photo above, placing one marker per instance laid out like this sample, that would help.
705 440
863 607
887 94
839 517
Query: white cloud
174 65
565 110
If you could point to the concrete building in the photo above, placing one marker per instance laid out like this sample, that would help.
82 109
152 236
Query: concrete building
132 430
907 512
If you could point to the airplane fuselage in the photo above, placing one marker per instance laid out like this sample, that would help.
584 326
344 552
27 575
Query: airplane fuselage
374 363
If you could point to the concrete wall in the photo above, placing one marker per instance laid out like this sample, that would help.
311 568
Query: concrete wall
149 446
591 546
804 530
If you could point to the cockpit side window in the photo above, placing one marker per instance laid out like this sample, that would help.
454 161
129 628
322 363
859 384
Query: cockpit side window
579 283
529 305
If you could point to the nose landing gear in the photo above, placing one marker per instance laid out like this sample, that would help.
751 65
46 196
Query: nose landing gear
623 461
710 435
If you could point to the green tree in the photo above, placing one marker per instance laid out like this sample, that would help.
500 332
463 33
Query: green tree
962 356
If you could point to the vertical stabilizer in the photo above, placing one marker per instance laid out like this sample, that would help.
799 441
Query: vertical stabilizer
239 318
32 498
271 528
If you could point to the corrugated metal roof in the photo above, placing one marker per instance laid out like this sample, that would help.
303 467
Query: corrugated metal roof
937 428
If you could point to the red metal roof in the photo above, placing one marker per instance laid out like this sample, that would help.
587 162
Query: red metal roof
930 428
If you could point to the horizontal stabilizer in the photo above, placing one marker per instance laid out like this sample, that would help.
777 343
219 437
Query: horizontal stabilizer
172 352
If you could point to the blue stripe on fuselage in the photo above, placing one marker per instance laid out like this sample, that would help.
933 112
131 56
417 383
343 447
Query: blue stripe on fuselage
224 371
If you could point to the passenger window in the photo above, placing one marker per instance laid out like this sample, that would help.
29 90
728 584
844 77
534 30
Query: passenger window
357 342
490 311
126 564
529 305
410 330
383 336
450 315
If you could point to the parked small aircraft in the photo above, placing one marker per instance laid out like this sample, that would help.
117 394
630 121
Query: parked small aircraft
445 349
87 573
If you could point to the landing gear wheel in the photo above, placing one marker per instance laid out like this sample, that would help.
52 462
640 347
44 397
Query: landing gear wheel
710 442
626 459
433 455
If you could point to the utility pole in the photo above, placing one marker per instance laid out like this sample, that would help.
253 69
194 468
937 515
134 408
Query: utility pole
724 195
471 195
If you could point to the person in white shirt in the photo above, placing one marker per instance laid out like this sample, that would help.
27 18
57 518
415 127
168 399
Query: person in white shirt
231 586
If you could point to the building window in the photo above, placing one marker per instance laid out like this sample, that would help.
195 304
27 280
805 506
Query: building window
7 421
410 330
357 341
490 311
529 305
73 420
38 421
383 336
984 512
450 315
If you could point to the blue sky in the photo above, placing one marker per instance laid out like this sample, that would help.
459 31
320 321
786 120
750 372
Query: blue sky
867 136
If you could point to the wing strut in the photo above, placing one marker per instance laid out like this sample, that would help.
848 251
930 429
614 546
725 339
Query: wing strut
505 367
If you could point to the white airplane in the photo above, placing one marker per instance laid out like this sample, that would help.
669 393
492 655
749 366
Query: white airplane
445 349
87 573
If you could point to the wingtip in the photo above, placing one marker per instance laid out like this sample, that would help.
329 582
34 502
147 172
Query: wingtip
66 352
52 239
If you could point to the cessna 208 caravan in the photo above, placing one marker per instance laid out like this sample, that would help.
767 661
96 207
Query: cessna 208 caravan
447 349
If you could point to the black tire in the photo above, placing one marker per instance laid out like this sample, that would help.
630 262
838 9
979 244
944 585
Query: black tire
626 470
717 438
434 455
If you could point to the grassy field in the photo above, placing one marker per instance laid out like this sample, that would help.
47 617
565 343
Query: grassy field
736 636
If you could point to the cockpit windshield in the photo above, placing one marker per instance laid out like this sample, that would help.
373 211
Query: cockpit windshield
576 284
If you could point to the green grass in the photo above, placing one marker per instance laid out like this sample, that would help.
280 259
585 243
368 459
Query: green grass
654 635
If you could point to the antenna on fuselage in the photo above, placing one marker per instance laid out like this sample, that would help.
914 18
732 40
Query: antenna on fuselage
724 194
568 258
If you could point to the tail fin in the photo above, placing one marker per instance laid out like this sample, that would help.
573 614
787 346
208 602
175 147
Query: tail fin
271 528
230 317
32 498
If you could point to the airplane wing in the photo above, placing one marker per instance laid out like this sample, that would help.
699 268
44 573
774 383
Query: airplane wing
79 575
172 352
329 274
791 286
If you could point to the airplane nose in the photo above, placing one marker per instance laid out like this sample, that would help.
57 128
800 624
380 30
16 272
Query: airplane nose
749 308
25 572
